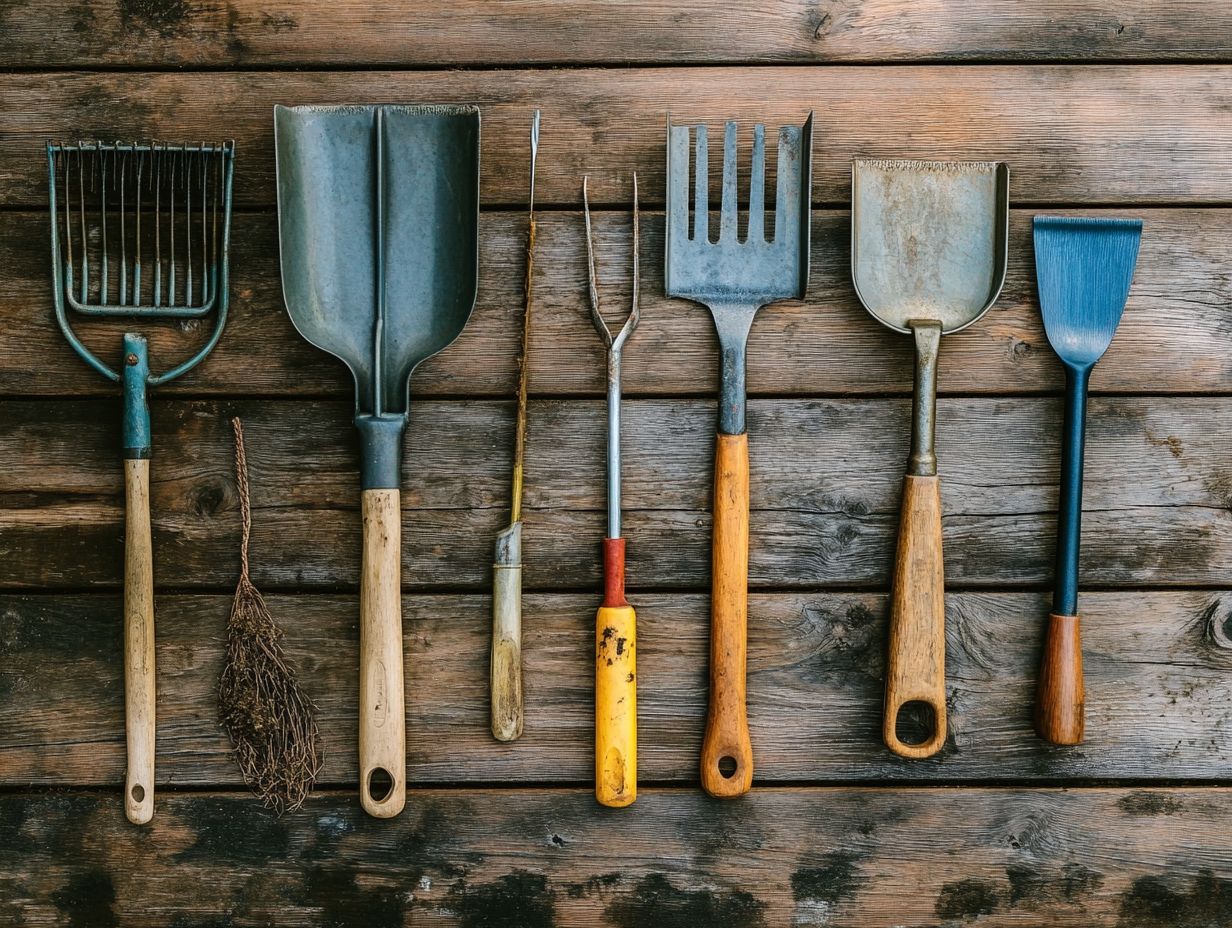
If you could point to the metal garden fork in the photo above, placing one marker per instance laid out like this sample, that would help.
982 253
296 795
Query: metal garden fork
734 277
616 622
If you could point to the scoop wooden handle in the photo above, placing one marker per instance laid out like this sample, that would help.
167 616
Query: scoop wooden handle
382 713
727 752
1061 700
616 705
139 682
915 666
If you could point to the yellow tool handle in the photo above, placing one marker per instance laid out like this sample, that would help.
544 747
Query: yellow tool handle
616 705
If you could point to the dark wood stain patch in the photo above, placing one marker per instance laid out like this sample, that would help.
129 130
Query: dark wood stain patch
967 899
837 878
346 904
1143 802
87 900
656 901
1155 902
516 900
223 831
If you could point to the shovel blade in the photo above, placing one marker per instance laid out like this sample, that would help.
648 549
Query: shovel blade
378 214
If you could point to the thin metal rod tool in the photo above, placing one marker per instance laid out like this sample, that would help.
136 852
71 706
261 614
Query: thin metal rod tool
505 669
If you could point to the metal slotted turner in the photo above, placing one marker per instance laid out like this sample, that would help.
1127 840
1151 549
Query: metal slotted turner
734 274
928 257
140 231
378 215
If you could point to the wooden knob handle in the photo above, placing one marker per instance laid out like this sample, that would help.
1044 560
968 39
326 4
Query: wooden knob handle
382 713
1061 700
139 675
915 664
505 668
727 752
615 705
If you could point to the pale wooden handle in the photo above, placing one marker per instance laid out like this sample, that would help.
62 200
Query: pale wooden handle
727 752
139 685
616 706
382 713
505 677
1060 702
915 667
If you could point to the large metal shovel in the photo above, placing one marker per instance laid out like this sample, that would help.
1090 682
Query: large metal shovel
378 215
928 254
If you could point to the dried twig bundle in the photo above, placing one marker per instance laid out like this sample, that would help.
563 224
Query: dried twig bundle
270 720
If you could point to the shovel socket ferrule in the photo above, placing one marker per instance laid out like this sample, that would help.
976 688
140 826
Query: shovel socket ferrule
380 451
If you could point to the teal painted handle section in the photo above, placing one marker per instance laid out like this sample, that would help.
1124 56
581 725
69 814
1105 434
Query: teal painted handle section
136 374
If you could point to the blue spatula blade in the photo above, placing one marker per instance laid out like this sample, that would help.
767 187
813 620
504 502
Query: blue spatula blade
1083 268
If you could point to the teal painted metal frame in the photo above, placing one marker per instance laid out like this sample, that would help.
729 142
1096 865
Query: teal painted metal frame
136 378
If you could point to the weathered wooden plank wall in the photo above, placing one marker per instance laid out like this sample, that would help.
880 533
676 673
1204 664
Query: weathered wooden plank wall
1100 106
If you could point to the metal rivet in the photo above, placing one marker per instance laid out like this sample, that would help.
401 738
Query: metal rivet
131 360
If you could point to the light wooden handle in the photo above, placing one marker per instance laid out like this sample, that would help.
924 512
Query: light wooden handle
505 665
616 705
1061 700
382 713
139 685
727 752
915 667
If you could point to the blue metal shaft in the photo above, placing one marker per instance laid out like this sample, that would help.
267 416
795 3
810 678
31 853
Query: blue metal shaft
136 374
1069 514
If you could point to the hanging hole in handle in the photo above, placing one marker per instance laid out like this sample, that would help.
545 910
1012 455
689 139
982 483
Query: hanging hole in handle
727 767
380 784
915 723
138 792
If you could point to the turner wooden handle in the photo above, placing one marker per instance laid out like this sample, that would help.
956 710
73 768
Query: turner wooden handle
1061 700
139 679
915 665
382 713
727 752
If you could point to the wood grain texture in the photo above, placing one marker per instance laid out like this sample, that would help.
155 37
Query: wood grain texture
255 33
539 859
140 692
1158 680
824 491
727 752
915 654
382 706
1072 134
1173 338
1060 700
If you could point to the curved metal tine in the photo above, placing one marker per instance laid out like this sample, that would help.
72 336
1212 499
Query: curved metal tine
596 316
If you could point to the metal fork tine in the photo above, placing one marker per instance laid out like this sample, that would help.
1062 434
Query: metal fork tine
124 169
85 245
786 216
729 204
103 289
188 221
156 180
176 158
701 188
137 232
678 179
757 188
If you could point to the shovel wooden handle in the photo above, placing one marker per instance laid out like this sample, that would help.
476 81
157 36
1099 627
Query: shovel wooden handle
727 752
1060 702
382 713
139 683
915 666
